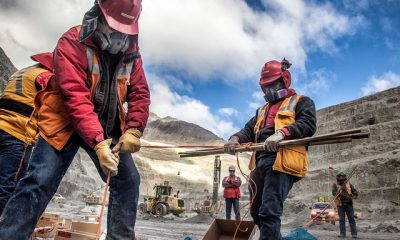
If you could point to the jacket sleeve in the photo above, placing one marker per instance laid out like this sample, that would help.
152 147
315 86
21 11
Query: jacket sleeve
354 191
237 182
306 120
247 133
138 98
334 190
70 69
225 184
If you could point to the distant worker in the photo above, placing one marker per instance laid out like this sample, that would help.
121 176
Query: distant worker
344 203
99 101
231 186
286 115
18 122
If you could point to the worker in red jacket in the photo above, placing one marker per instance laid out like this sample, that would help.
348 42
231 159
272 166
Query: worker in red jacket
231 186
98 70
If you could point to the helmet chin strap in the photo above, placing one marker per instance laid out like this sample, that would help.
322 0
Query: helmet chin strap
272 95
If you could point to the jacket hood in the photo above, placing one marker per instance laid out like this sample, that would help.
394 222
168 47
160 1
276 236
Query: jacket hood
45 59
89 25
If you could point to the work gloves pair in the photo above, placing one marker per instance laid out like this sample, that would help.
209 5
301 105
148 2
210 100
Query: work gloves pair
270 144
129 142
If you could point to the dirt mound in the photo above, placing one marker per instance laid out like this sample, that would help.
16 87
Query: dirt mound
201 218
386 228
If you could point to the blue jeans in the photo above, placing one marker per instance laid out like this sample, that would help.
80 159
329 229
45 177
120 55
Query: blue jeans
349 211
46 169
229 202
14 159
272 190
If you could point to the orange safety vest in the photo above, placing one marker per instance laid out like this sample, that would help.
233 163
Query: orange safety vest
17 113
53 120
338 202
289 159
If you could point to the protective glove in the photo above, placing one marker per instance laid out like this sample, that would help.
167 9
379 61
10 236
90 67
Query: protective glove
108 160
271 143
129 142
231 144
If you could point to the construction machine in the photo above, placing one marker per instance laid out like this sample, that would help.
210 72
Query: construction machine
210 204
162 203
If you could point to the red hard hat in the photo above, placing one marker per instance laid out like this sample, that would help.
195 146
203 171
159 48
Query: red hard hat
273 70
122 15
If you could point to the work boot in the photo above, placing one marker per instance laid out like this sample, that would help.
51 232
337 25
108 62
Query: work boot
341 236
354 236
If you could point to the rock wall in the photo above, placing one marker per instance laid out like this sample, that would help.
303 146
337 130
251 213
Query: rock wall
377 159
6 69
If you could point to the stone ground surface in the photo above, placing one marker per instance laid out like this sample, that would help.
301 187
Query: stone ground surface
149 227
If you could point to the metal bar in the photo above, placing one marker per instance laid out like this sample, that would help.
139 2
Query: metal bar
339 137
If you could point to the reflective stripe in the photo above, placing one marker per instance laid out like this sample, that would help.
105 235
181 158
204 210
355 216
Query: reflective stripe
125 70
292 104
95 69
18 80
89 56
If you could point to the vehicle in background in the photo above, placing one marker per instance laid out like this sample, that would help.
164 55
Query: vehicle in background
319 214
163 202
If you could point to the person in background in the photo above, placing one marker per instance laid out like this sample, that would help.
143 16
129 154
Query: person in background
18 122
344 203
231 186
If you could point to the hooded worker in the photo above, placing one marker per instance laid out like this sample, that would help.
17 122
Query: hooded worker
98 69
286 115
344 203
18 122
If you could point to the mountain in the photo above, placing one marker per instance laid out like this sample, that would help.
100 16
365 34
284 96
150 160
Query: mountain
6 69
175 131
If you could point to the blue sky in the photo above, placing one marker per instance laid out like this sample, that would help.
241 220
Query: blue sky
203 57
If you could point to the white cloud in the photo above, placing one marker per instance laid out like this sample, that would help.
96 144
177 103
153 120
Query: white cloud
201 39
228 112
29 27
257 100
228 38
166 102
379 83
315 83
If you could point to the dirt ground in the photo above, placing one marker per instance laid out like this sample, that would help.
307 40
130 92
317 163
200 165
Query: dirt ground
170 227
148 229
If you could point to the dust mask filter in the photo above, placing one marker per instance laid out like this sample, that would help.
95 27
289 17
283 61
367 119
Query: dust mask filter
271 95
110 40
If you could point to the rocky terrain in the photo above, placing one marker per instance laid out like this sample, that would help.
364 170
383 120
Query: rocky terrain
6 69
377 160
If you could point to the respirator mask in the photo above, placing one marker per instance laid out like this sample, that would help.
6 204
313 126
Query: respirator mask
275 91
107 39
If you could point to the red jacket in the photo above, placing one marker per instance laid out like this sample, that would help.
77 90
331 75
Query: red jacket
231 187
72 89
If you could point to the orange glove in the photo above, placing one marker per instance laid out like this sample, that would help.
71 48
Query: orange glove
129 142
108 160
